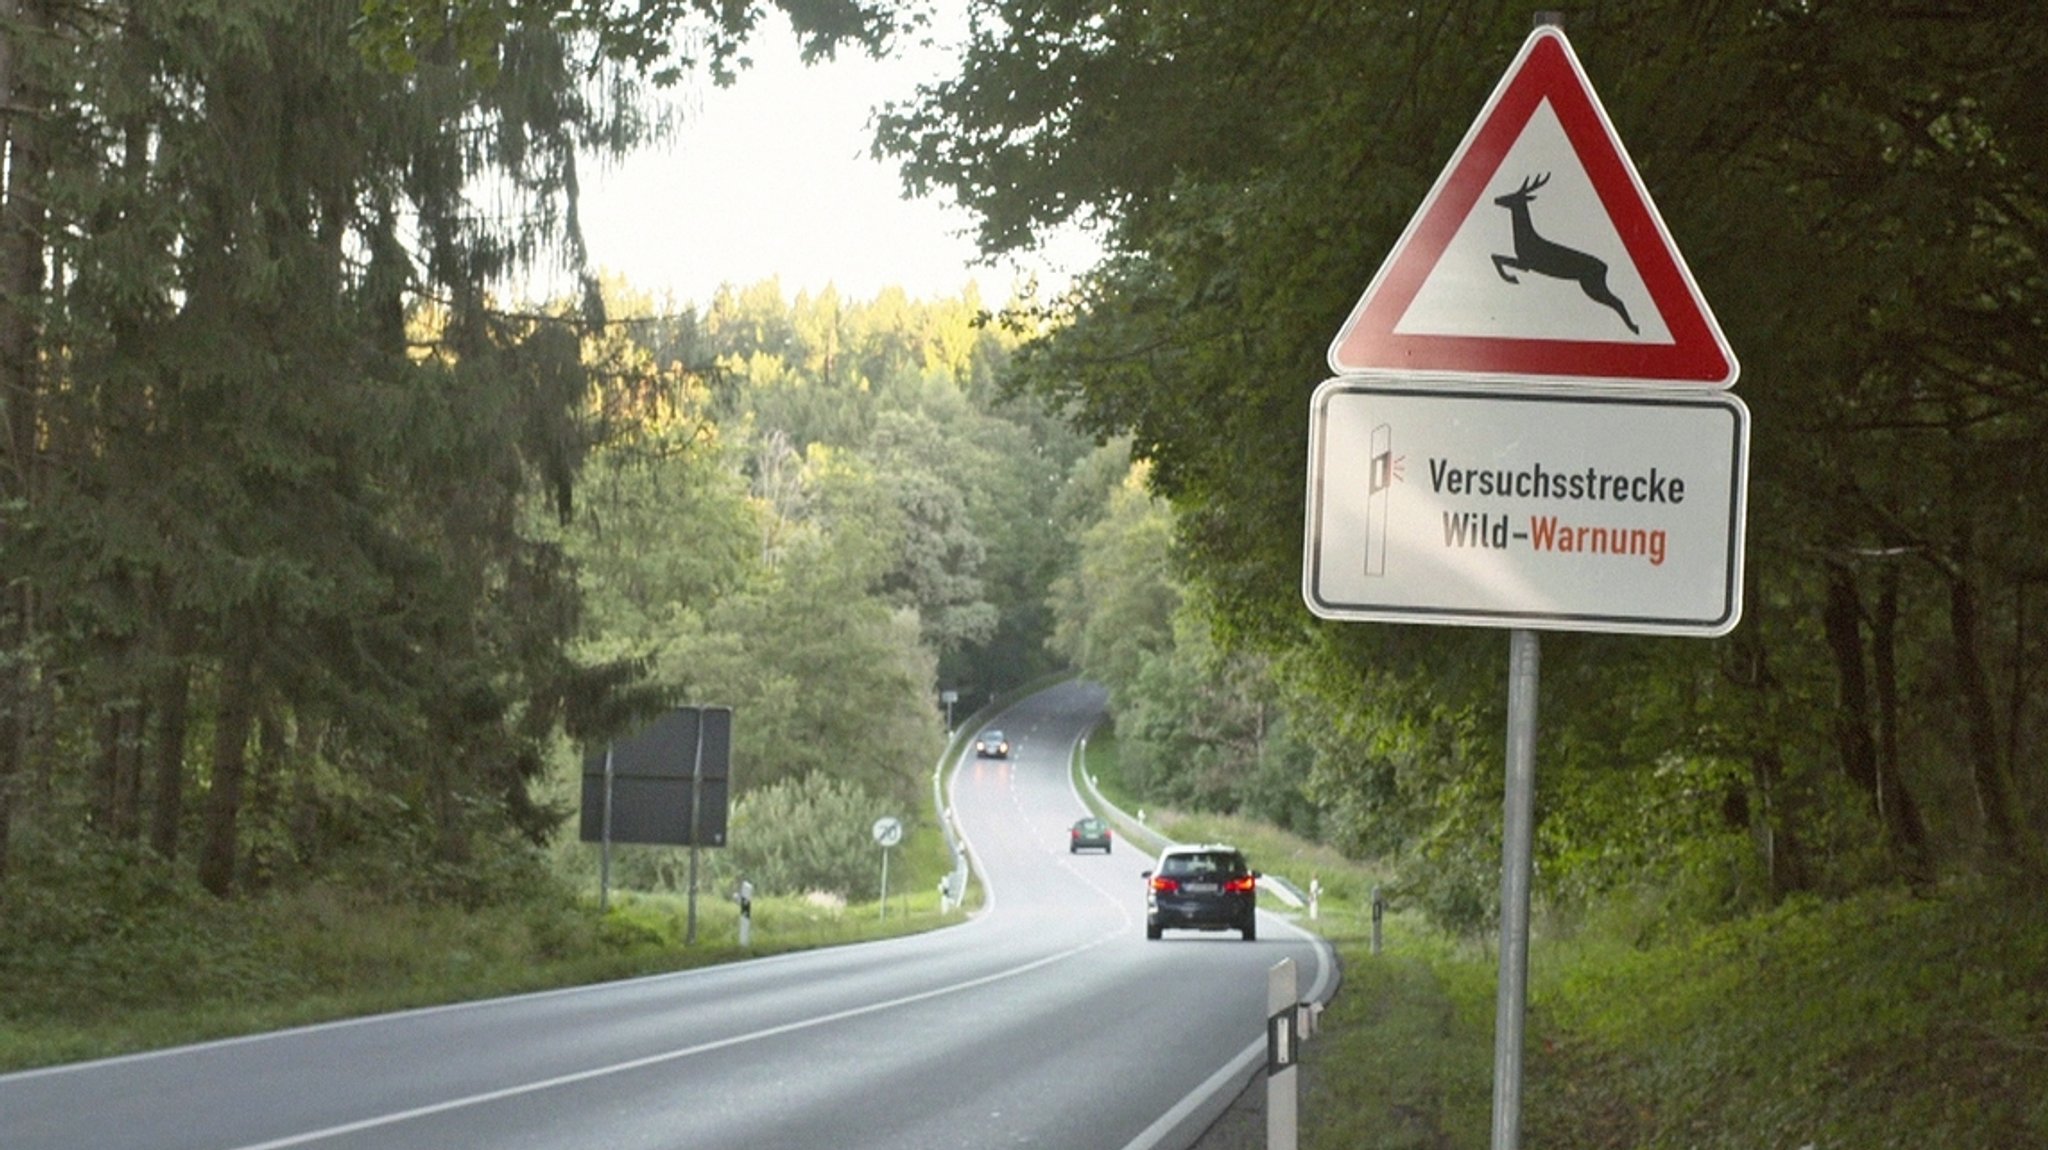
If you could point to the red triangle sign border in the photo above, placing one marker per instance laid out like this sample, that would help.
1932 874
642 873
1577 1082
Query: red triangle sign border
1544 70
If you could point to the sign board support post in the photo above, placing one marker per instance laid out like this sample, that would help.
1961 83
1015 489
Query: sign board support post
885 881
1516 867
696 827
604 858
888 831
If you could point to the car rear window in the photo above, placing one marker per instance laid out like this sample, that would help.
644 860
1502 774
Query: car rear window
1228 865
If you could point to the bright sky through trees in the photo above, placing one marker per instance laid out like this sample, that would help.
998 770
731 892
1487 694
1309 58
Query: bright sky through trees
771 177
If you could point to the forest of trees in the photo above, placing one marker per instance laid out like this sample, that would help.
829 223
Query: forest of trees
1861 190
822 513
316 554
278 588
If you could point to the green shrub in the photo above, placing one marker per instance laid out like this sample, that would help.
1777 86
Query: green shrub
813 833
98 927
630 928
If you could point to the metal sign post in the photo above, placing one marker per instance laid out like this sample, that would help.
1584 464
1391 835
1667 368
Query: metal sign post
696 827
1517 852
888 832
604 858
746 900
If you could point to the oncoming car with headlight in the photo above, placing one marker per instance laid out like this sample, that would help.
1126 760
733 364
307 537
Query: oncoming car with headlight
992 745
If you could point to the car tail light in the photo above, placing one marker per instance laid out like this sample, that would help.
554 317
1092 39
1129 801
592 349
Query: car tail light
1165 885
1244 884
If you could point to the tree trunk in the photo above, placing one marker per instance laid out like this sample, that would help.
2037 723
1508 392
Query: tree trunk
117 776
1842 622
105 770
305 794
234 714
1867 708
2026 784
173 703
259 862
21 284
1994 790
1773 829
1776 833
1903 822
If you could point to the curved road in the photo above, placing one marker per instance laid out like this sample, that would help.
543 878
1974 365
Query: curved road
1047 1020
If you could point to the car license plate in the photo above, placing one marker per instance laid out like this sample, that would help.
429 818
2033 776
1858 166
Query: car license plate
1201 888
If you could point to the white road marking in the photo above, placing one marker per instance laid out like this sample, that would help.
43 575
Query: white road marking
400 1116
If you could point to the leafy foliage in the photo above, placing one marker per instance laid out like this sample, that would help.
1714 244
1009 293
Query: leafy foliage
795 517
106 917
1928 1029
1249 167
280 592
806 834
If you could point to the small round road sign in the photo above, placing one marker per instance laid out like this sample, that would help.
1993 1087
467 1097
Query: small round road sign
888 831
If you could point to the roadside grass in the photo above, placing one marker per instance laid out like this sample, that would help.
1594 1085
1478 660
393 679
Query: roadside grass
117 973
1099 758
107 954
1403 1056
1890 1019
1403 1060
1885 1021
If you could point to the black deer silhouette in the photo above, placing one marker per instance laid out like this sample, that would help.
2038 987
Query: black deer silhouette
1533 253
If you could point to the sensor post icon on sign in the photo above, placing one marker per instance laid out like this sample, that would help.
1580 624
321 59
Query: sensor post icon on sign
1385 470
1534 253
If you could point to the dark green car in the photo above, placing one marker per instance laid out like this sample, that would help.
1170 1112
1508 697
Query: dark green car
1088 835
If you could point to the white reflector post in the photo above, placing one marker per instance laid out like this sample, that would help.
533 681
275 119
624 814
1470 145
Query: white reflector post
1283 1043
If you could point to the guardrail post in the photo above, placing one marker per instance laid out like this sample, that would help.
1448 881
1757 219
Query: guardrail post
1379 911
1283 1047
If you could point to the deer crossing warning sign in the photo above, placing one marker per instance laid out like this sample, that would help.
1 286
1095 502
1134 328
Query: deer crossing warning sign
1537 257
1530 425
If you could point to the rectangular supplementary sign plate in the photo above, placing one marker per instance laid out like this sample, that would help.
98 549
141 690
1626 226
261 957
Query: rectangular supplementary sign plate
1552 508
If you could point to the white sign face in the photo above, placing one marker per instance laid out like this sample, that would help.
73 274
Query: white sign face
888 831
1467 294
1569 509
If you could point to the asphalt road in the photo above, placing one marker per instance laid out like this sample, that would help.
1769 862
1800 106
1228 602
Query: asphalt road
1047 1020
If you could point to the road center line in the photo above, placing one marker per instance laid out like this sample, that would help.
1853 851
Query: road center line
397 1117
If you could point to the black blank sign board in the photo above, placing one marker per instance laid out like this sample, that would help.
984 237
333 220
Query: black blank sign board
652 774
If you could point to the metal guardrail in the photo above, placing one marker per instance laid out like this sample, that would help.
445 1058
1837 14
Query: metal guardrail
955 892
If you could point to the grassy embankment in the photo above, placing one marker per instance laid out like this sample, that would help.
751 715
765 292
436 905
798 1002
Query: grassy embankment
1891 1019
106 954
108 959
